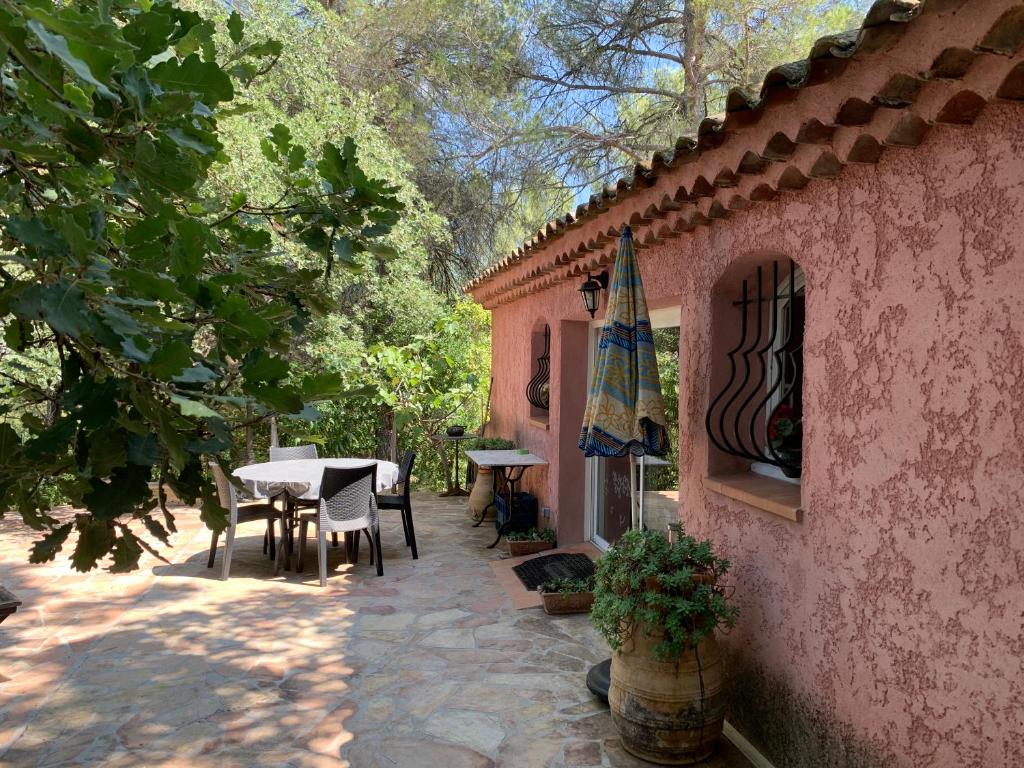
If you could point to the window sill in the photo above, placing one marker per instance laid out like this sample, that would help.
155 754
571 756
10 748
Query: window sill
765 493
538 423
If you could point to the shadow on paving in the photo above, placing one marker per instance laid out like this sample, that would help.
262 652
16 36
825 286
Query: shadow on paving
427 666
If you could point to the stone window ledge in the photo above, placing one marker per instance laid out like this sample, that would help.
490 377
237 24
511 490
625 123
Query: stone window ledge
538 423
765 493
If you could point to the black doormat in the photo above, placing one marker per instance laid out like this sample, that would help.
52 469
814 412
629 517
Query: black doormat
539 570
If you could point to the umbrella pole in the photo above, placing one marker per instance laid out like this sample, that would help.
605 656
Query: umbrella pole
643 462
634 517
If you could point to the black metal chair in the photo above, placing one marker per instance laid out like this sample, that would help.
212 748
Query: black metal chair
402 502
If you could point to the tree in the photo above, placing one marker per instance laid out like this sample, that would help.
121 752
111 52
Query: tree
142 311
612 81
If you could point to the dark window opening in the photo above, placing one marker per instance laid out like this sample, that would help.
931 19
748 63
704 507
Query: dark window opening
756 413
538 388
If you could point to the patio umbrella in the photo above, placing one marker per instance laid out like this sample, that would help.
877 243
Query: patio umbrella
625 411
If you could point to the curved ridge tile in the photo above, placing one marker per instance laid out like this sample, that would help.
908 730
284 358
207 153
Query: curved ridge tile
865 149
899 91
814 131
855 111
1006 36
1012 86
909 131
962 109
779 147
951 64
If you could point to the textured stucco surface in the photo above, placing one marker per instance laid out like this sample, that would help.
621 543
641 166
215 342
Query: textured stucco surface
887 627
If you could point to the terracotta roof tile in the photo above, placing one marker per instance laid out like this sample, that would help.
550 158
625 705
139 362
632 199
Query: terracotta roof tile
898 113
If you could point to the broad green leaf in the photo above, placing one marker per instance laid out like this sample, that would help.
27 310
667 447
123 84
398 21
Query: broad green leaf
152 285
236 27
321 386
193 75
35 233
296 157
150 33
60 305
282 138
57 46
197 374
76 96
261 367
194 408
278 398
86 144
170 360
9 443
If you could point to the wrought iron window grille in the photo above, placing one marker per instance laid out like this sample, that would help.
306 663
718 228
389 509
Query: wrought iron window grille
538 388
758 414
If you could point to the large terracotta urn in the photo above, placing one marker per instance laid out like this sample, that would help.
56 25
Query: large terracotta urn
667 712
482 494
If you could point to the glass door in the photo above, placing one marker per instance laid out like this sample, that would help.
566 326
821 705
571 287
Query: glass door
613 483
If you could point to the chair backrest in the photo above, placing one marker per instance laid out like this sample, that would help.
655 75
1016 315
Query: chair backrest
225 491
347 493
293 452
405 471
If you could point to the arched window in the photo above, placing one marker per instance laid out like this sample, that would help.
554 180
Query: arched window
755 413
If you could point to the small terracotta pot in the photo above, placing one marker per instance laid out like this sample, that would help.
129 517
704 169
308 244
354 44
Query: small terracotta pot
556 603
520 548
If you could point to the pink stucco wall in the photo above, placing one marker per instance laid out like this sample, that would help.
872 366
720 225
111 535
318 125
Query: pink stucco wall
887 627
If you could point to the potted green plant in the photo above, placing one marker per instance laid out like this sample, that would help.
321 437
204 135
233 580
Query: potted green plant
567 595
529 542
658 605
785 433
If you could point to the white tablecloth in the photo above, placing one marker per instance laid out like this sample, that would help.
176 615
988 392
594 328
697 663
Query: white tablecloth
301 477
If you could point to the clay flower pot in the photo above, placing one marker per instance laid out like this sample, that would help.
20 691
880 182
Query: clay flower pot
520 548
667 712
558 603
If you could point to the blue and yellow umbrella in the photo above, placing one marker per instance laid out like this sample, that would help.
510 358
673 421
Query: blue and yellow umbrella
625 411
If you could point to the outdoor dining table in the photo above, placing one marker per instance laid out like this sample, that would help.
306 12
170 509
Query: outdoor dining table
508 467
300 479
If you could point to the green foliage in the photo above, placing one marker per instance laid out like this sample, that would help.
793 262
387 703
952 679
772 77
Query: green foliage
534 534
666 344
141 310
670 591
414 356
490 444
568 586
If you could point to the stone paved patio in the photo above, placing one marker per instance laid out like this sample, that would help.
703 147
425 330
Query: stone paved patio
427 666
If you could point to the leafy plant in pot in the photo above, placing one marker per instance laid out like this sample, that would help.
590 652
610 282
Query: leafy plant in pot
658 605
567 595
529 542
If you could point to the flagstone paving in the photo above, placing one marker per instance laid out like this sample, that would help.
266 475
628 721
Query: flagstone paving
429 665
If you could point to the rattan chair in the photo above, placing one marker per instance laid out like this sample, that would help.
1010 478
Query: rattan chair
238 512
402 501
347 505
290 452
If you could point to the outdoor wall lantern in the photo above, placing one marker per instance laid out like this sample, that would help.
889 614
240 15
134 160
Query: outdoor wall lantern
591 291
